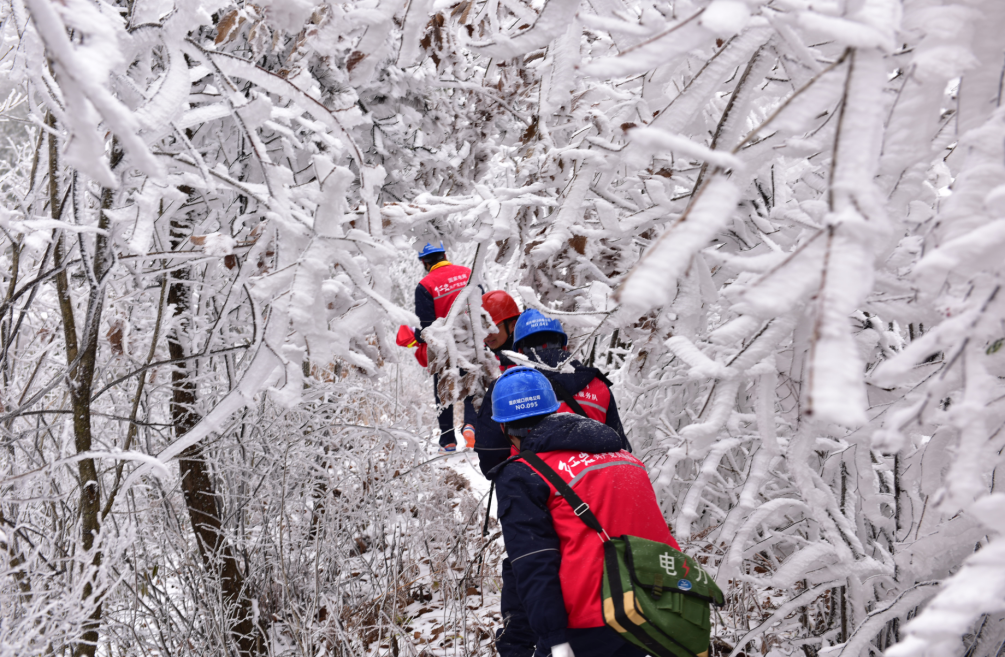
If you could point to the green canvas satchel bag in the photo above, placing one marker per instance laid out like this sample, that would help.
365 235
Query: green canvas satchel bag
653 596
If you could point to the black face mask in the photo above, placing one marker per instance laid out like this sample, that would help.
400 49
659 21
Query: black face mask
540 347
518 433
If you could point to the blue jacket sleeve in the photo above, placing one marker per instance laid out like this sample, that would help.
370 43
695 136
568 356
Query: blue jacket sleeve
424 309
491 443
533 548
614 422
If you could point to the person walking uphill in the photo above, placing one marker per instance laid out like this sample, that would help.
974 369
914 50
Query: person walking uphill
556 559
504 312
580 389
434 295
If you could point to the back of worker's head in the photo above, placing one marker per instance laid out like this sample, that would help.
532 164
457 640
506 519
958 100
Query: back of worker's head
541 340
431 260
432 254
521 398
535 331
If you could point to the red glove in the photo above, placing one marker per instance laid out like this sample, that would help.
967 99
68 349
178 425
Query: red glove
421 355
406 336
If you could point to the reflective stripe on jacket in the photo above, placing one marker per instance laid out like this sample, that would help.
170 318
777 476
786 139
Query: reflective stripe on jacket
595 399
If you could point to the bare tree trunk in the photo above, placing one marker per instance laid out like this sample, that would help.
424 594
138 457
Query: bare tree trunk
81 358
197 481
16 559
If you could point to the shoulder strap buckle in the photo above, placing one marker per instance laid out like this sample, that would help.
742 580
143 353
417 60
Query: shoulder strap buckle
581 509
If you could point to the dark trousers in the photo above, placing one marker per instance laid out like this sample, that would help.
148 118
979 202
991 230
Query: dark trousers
517 639
514 638
445 417
596 642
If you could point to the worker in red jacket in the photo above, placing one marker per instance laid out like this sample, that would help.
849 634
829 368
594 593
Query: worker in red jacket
437 290
434 295
504 313
556 559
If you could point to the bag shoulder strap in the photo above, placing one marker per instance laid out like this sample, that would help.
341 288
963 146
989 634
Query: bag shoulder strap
579 507
569 400
597 374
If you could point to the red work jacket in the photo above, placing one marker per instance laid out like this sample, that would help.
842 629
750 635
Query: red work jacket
443 283
617 488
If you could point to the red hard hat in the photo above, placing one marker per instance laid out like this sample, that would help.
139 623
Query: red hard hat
500 306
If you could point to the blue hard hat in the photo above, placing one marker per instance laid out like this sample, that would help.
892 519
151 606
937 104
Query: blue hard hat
429 249
520 393
532 321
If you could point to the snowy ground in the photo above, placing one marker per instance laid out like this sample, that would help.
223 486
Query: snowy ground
448 575
434 629
455 614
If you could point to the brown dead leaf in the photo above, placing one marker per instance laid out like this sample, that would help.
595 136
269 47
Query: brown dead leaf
198 240
578 244
354 59
456 481
228 27
260 38
530 132
115 335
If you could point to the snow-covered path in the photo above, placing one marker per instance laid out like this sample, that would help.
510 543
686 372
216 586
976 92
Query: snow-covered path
457 610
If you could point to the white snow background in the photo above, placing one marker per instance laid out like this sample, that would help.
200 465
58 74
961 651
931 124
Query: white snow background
776 224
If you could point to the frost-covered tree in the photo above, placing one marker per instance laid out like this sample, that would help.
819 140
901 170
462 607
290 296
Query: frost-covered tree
775 223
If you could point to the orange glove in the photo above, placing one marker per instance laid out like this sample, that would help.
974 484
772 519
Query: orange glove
469 435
